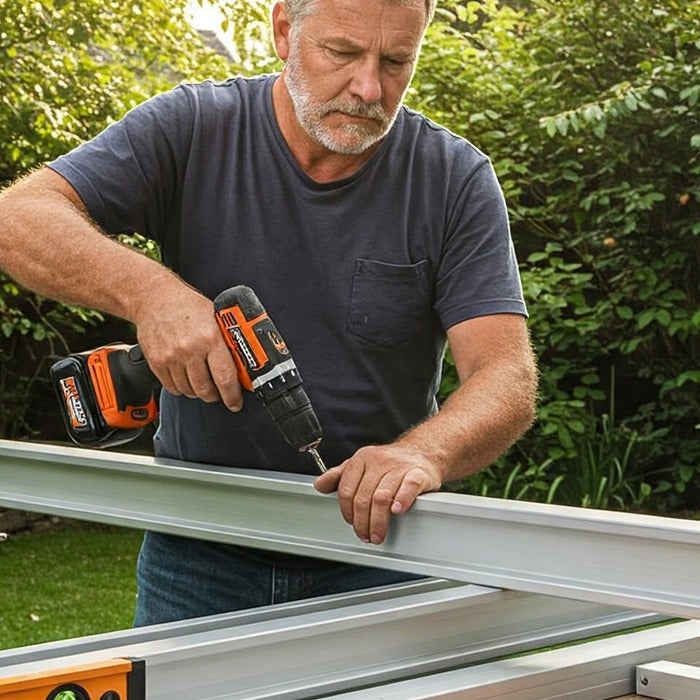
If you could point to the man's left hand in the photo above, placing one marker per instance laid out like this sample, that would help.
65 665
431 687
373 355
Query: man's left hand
376 482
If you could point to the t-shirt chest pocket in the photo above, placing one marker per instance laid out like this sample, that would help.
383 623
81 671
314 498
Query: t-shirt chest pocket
389 303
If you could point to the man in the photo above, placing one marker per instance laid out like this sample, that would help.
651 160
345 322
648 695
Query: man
369 233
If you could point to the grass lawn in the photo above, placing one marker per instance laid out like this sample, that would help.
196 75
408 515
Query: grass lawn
67 582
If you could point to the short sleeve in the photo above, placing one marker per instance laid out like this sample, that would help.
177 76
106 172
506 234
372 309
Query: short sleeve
128 175
478 273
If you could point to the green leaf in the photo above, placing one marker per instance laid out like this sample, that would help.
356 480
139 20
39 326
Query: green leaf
562 125
692 375
624 312
645 318
600 129
629 346
631 102
663 317
691 94
686 473
564 437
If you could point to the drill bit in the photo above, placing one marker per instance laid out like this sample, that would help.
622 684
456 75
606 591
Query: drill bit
317 459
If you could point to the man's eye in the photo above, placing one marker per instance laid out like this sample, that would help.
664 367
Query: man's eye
396 63
339 53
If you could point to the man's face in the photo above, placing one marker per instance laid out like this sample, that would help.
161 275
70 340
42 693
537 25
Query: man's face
348 68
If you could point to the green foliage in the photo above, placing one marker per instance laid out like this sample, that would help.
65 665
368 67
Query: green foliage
590 114
69 68
144 245
66 695
247 24
596 463
32 330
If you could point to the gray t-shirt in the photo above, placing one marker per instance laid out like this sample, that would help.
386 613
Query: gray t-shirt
362 276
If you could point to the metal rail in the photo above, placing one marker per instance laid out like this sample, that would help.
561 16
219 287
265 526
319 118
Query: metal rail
335 644
668 680
597 670
643 562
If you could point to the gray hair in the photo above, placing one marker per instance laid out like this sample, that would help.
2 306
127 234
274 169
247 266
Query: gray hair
298 9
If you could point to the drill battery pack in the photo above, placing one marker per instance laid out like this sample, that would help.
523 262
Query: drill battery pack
91 388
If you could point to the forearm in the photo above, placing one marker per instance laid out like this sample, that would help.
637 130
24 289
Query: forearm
49 245
494 405
489 411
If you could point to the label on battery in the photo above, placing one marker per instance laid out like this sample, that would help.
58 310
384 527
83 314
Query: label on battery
73 403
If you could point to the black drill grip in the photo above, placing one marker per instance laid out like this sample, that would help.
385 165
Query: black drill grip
134 382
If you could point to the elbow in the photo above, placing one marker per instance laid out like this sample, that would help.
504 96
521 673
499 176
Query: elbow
529 395
532 380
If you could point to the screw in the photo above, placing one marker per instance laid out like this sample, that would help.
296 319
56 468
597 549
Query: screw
644 680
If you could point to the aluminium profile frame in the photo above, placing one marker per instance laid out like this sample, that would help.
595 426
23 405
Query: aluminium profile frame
588 555
333 644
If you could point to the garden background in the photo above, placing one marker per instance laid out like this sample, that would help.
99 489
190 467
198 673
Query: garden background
590 112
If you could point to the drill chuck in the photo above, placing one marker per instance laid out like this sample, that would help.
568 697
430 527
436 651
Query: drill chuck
295 418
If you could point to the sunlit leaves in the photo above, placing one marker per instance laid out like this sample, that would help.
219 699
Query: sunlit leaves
68 68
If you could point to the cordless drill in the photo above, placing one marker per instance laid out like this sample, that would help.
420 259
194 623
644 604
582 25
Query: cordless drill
108 395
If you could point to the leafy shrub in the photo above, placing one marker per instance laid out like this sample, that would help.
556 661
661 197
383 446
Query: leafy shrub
590 114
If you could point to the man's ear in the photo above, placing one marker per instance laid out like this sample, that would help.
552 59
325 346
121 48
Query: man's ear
280 27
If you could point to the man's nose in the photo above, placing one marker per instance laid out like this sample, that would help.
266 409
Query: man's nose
366 83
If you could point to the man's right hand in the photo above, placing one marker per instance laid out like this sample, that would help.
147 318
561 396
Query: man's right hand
184 346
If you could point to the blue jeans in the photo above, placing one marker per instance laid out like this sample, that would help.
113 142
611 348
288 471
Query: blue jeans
180 578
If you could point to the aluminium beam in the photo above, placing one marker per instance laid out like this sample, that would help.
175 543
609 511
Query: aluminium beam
173 631
668 680
597 670
334 644
642 562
